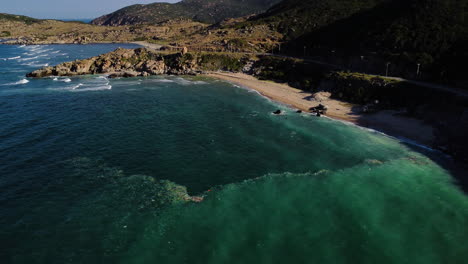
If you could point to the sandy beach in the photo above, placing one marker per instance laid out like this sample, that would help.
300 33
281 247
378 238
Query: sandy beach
148 45
389 122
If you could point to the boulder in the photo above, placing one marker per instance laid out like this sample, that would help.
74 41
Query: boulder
322 107
154 67
277 112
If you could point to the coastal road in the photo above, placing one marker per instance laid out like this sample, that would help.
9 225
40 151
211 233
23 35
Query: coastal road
434 86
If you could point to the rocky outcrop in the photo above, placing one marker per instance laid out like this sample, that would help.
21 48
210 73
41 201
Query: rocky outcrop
126 63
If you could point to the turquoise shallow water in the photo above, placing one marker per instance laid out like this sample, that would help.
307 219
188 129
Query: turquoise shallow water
81 161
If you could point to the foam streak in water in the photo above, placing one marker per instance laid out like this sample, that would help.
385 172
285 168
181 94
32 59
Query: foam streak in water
20 82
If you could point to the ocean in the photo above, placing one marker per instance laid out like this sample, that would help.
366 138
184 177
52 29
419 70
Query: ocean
84 20
96 170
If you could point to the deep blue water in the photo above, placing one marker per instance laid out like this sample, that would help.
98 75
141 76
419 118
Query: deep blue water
81 161
84 20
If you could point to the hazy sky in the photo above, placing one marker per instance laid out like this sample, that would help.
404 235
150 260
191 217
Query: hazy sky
67 8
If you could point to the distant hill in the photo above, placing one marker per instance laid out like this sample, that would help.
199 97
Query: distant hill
295 18
18 18
206 11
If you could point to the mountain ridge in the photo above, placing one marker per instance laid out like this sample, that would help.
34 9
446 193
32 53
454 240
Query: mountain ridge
430 33
205 11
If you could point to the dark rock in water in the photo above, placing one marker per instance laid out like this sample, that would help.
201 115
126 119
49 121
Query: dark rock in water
318 114
277 112
131 74
114 75
322 107
299 111
319 110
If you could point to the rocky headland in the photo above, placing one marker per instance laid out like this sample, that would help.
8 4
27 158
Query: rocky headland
143 62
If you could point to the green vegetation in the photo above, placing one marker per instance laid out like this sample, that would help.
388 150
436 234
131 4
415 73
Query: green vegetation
238 43
432 33
140 39
25 19
363 89
295 18
141 55
207 11
207 61
295 72
213 62
448 116
5 34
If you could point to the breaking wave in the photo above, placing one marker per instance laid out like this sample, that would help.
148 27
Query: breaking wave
20 82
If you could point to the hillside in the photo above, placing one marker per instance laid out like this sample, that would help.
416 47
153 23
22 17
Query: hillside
25 30
206 11
17 18
295 18
432 33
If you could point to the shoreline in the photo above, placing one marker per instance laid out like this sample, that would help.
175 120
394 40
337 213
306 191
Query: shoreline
389 122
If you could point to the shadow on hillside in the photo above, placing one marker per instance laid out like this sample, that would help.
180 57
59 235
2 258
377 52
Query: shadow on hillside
392 38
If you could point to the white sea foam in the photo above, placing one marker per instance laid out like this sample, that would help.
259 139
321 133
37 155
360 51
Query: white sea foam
23 81
69 88
34 64
97 88
76 86
32 47
183 81
62 79
12 58
127 83
43 51
254 91
163 80
30 58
